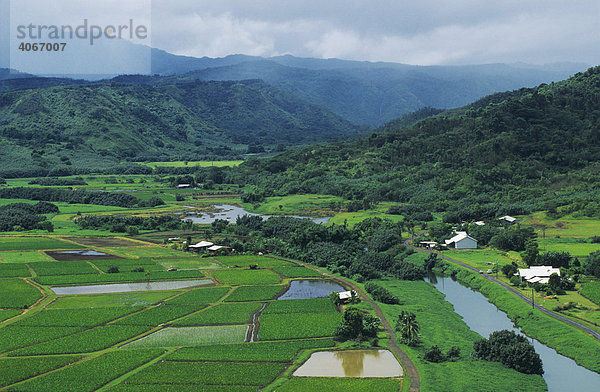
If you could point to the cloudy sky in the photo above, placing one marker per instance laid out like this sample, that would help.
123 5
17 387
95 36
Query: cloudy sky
425 32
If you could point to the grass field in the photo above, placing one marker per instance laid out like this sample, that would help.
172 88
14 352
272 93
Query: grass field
303 205
277 326
379 211
564 227
192 336
575 246
297 272
479 258
110 300
24 257
591 291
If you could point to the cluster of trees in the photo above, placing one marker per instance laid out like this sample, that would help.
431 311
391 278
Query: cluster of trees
510 349
356 325
435 354
118 199
22 216
381 294
129 224
591 264
368 250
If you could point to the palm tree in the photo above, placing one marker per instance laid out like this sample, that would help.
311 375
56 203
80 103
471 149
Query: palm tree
408 327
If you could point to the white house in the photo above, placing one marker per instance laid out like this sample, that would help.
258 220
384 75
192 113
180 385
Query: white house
428 244
508 218
462 241
538 273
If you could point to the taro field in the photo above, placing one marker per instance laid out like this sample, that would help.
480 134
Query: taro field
117 315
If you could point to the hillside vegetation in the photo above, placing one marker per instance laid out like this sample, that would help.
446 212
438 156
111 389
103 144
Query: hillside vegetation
100 124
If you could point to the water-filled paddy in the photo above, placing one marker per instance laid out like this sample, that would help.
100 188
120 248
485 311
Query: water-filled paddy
351 363
76 255
306 289
127 287
192 336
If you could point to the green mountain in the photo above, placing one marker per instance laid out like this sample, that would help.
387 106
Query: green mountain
534 145
100 124
374 93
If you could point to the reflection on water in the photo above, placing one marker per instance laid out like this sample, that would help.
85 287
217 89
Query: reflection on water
89 252
126 287
351 363
306 289
230 213
560 373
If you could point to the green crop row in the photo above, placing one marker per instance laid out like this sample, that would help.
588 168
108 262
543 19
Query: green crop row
34 243
5 314
182 388
297 325
14 270
233 313
120 277
83 342
248 352
158 315
16 293
75 317
192 336
339 384
89 375
316 305
246 261
134 299
258 374
297 272
254 293
200 296
15 337
246 277
591 290
13 370
63 268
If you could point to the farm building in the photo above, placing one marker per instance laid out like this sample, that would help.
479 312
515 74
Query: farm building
184 186
428 244
538 274
508 218
462 241
202 245
346 296
216 248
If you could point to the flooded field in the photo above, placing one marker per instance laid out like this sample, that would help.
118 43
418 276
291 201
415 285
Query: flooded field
230 213
306 289
351 363
103 241
77 255
127 287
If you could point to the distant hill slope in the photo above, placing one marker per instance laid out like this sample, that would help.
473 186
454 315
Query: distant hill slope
104 123
374 93
518 148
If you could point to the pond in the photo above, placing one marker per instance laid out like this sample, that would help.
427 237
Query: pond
560 373
127 287
306 289
230 213
351 363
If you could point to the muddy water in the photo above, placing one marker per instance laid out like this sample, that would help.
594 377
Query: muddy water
306 289
127 287
352 363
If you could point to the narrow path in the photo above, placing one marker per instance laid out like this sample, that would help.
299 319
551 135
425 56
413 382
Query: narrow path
550 313
407 363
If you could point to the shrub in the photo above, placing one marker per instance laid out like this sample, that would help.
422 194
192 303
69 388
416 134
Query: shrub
434 354
510 349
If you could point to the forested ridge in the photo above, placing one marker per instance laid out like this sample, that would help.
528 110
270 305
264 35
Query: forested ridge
531 146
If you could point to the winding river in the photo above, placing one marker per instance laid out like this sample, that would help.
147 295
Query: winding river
560 373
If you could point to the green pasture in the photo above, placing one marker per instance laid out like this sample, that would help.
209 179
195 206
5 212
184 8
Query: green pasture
24 257
479 258
248 260
591 290
575 246
566 226
379 211
303 205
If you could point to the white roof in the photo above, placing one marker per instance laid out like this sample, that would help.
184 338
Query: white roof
202 244
216 247
345 294
460 235
480 223
542 272
508 218
428 242
184 185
